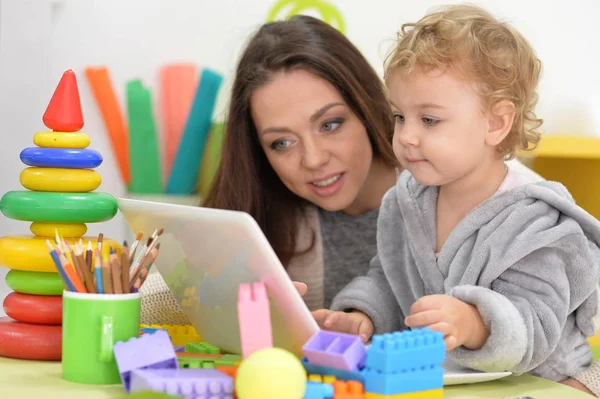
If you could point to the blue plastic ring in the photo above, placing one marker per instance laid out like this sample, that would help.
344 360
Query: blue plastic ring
61 158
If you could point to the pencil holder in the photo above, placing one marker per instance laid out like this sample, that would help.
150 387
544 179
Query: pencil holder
92 324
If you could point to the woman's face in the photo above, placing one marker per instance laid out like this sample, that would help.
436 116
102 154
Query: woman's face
315 143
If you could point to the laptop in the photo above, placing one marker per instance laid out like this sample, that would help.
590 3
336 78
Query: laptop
205 254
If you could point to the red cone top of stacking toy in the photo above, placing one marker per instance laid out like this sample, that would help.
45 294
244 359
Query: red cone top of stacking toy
64 110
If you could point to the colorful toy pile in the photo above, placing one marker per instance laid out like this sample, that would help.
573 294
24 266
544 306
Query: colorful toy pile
58 200
402 365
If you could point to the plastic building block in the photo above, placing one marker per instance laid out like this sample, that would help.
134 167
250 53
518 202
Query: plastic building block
343 375
327 379
406 350
148 395
228 360
196 362
254 318
189 383
148 330
348 390
318 390
337 350
179 348
64 112
180 334
229 370
202 347
431 394
426 378
148 351
199 355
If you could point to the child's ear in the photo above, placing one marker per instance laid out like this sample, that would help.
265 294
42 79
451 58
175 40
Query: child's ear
501 118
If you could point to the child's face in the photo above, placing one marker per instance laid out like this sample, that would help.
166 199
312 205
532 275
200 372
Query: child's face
440 126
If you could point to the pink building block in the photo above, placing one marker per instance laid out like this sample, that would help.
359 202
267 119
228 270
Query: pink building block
254 318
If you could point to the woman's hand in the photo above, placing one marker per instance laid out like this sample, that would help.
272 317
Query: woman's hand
355 322
301 287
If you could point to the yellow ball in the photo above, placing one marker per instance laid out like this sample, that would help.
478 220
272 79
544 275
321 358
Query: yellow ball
271 373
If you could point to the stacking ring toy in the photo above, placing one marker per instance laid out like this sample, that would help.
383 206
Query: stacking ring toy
64 229
29 341
31 253
49 207
35 283
61 158
60 179
35 309
61 140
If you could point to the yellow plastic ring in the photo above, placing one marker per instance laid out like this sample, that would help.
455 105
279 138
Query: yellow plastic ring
61 140
31 253
64 229
60 179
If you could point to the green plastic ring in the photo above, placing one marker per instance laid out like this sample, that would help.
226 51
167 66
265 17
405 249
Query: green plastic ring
50 207
35 283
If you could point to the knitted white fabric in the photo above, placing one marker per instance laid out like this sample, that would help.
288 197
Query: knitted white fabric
159 305
591 378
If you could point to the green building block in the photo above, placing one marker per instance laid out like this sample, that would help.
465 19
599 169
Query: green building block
196 363
228 360
202 347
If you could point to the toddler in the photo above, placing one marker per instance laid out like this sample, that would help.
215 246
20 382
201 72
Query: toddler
506 267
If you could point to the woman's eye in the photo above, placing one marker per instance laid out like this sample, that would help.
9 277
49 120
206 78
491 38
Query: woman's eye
330 126
280 144
430 121
399 117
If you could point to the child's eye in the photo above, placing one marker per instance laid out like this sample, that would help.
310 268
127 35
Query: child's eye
332 125
280 144
399 117
430 121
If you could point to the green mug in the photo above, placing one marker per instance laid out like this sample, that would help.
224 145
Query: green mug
92 324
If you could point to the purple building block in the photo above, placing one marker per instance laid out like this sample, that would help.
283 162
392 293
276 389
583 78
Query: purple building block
147 351
337 350
189 383
179 348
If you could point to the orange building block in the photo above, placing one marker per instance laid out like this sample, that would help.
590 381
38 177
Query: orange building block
348 390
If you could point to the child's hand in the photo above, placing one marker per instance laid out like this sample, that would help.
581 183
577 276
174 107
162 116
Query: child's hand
355 322
460 323
301 287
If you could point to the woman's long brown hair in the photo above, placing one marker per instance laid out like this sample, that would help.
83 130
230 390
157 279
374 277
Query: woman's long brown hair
245 181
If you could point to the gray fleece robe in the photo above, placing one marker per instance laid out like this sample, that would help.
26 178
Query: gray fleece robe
528 259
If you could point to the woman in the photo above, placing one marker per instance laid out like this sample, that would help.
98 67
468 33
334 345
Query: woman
307 153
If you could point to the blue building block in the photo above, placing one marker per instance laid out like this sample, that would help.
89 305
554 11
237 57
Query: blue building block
423 379
150 330
339 374
406 350
318 390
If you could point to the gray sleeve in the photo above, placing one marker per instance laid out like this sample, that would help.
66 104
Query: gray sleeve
526 308
372 295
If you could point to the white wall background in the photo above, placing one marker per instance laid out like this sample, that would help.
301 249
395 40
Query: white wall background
39 39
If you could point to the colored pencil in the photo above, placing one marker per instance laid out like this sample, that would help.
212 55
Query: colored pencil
134 246
59 267
70 271
106 276
115 272
98 273
125 267
88 257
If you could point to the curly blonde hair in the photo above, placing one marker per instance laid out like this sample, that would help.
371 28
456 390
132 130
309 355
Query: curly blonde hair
493 54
